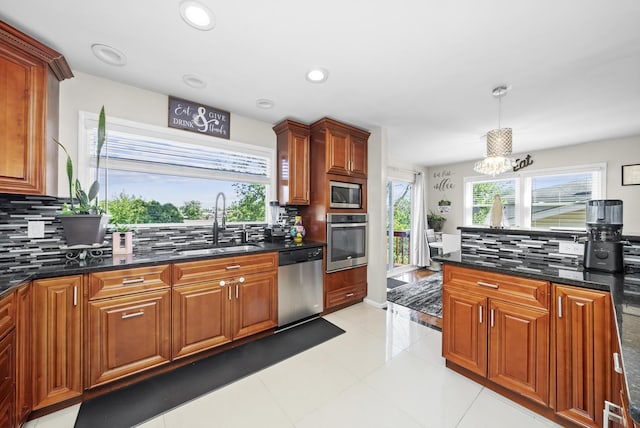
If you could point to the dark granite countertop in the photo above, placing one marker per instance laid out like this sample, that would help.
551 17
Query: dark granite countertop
13 276
625 296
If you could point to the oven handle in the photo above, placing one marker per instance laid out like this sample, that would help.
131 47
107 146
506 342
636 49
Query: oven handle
346 224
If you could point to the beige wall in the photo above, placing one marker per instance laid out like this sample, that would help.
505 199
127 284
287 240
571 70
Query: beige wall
614 152
88 93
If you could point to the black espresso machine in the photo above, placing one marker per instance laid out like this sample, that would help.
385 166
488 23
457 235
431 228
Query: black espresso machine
603 248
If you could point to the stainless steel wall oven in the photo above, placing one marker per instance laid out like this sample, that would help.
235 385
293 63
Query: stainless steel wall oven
347 236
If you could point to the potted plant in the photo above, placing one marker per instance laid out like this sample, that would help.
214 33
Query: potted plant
435 221
83 222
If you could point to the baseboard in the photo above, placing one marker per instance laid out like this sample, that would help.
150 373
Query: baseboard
374 303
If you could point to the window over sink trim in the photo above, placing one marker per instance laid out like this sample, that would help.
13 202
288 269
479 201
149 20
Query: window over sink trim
174 153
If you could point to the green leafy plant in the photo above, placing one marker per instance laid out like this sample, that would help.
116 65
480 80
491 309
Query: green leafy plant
87 201
121 228
433 217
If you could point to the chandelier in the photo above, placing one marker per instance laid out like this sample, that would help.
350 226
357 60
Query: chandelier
499 143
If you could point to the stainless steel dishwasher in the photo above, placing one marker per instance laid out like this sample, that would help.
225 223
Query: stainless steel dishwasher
299 285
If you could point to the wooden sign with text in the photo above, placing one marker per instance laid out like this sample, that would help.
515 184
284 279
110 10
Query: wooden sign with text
198 118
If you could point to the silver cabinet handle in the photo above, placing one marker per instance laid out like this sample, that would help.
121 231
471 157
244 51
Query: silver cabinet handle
492 317
222 283
612 413
237 291
616 363
135 314
75 295
480 313
486 284
132 281
350 294
229 290
559 306
241 279
232 267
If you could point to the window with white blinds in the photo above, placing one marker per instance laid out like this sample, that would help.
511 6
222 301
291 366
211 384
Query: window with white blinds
542 199
160 175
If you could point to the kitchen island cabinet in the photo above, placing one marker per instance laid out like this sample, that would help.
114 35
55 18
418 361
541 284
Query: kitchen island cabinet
583 350
57 347
497 326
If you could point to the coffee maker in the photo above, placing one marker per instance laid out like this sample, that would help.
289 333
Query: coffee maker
603 248
274 232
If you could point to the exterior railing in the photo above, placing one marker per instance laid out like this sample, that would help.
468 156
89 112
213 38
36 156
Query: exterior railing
401 247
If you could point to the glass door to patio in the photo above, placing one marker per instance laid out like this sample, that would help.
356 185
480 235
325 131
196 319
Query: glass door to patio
399 194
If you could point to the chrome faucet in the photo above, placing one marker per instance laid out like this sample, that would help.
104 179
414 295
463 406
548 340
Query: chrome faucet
215 217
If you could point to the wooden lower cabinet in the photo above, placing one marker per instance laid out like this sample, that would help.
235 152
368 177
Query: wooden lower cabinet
345 287
7 380
127 335
255 307
200 318
583 350
24 333
57 350
483 332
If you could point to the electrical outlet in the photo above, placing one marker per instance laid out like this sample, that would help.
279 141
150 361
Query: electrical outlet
568 247
35 229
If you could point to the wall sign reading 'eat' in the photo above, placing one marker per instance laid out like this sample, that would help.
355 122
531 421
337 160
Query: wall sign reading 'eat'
198 118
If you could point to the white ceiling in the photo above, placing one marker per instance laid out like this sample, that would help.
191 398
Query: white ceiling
422 69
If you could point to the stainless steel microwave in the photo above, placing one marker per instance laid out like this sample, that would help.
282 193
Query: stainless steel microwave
345 195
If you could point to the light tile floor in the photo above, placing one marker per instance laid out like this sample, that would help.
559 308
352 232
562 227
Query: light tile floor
386 371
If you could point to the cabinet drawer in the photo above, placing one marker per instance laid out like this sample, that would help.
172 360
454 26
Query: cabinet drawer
530 292
206 270
345 278
127 281
7 313
346 295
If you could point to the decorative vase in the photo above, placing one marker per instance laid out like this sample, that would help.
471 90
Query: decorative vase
122 243
84 229
297 231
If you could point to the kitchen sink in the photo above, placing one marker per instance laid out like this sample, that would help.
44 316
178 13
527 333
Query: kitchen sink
219 250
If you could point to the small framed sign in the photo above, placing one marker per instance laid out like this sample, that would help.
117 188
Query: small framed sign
198 118
630 175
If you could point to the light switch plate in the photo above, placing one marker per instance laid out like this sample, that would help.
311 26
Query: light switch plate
568 247
35 229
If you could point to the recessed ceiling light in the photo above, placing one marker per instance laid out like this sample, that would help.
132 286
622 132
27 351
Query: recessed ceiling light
317 75
197 15
109 55
194 81
264 103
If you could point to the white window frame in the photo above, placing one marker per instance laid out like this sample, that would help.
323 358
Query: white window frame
523 188
88 121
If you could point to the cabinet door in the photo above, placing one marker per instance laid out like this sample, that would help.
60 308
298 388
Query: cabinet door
7 380
200 317
519 349
22 124
57 354
128 335
358 156
298 169
464 331
255 304
583 349
338 152
23 354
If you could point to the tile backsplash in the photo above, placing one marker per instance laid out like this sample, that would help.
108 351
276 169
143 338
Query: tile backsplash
18 250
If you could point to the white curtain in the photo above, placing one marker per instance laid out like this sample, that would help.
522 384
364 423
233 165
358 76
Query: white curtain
420 255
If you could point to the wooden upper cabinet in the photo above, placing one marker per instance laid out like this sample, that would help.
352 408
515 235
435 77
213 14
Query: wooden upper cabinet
345 148
29 86
293 162
583 353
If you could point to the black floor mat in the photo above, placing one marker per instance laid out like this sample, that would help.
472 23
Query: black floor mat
393 283
142 401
